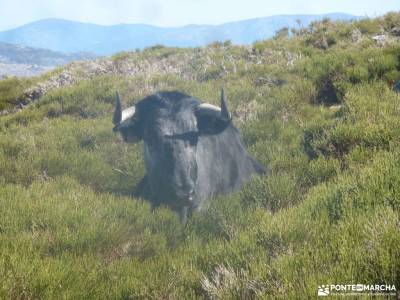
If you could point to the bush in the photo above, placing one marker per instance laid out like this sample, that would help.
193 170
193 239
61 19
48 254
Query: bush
362 124
11 89
334 73
327 212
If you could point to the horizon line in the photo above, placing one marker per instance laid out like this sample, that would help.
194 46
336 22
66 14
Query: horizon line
186 25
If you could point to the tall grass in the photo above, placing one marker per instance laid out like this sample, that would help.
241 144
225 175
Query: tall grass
328 213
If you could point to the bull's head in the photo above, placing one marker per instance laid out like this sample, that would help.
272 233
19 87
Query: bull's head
171 131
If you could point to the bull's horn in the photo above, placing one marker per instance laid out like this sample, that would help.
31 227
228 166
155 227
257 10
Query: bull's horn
209 109
218 112
224 108
117 113
120 115
128 113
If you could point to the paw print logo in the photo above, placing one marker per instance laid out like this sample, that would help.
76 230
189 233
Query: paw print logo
323 290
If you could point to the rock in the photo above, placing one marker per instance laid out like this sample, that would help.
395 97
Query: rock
356 36
380 39
335 108
321 43
395 31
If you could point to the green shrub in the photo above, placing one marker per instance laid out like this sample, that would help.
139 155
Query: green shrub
334 73
328 212
11 89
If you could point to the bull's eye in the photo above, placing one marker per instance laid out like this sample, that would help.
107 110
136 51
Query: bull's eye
193 139
131 133
190 137
124 131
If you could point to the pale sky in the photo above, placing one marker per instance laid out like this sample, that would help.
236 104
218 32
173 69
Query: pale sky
14 13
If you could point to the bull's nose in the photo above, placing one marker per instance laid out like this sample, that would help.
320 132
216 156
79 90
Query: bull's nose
191 195
187 197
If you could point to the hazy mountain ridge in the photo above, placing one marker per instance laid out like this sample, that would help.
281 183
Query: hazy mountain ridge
19 54
19 60
71 36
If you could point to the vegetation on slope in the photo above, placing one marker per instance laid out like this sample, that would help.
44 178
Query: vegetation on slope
322 115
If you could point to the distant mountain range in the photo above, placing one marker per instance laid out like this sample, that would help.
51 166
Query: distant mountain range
21 60
69 36
18 54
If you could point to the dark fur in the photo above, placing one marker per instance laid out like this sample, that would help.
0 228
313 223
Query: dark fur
185 152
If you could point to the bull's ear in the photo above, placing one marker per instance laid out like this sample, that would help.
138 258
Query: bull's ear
212 119
132 132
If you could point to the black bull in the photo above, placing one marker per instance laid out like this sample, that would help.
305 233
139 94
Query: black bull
192 150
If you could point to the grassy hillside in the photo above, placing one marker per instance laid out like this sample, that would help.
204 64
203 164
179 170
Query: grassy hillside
318 109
